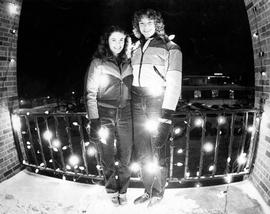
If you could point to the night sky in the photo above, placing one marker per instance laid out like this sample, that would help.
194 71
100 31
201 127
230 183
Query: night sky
58 37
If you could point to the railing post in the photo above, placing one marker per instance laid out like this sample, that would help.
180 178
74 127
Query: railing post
57 137
82 145
187 146
31 141
16 137
230 143
40 142
202 144
216 148
50 143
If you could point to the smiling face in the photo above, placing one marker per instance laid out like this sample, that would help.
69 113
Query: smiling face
116 42
147 27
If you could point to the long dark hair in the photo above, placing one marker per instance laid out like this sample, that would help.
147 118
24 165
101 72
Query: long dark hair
151 14
103 51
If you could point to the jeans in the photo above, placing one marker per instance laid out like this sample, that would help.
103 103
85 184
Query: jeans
145 107
118 147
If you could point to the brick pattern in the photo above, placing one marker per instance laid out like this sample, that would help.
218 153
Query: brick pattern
9 163
258 12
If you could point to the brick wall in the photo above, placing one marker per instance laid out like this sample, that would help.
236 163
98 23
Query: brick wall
259 19
9 163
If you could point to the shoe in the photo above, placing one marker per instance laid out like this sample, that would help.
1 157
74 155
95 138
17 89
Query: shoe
143 198
122 199
114 198
154 200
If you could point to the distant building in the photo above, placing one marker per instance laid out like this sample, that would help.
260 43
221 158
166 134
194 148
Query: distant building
217 89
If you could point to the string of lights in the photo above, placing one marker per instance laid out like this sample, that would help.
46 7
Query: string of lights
257 36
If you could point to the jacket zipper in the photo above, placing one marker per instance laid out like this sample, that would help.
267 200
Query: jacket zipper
121 83
140 68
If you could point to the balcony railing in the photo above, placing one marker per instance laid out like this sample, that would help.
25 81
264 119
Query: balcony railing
204 144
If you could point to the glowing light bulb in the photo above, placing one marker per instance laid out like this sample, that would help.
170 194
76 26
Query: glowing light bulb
208 147
180 151
171 37
103 133
221 120
12 9
47 135
91 151
152 167
74 160
81 167
198 185
151 125
242 159
155 89
250 129
198 122
228 178
177 131
135 167
16 122
179 164
56 143
75 124
211 168
255 35
103 80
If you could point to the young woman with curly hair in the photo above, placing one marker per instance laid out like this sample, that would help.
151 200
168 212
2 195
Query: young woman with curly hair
156 89
107 92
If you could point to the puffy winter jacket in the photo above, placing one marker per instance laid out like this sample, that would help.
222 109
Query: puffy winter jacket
107 85
157 64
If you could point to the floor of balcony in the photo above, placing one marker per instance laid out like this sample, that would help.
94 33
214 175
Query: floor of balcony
32 193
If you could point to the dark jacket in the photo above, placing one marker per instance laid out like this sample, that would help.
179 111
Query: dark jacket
107 84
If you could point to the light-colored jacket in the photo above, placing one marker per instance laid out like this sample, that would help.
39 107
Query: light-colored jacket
158 64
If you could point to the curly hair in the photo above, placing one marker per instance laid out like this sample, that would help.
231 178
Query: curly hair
103 51
151 14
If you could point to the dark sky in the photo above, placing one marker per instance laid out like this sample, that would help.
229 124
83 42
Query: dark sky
57 38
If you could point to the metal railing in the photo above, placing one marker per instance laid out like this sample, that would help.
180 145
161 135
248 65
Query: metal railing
204 144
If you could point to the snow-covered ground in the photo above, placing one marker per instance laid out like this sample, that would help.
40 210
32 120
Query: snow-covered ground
31 193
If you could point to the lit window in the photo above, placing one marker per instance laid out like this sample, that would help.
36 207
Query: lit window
197 94
214 93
